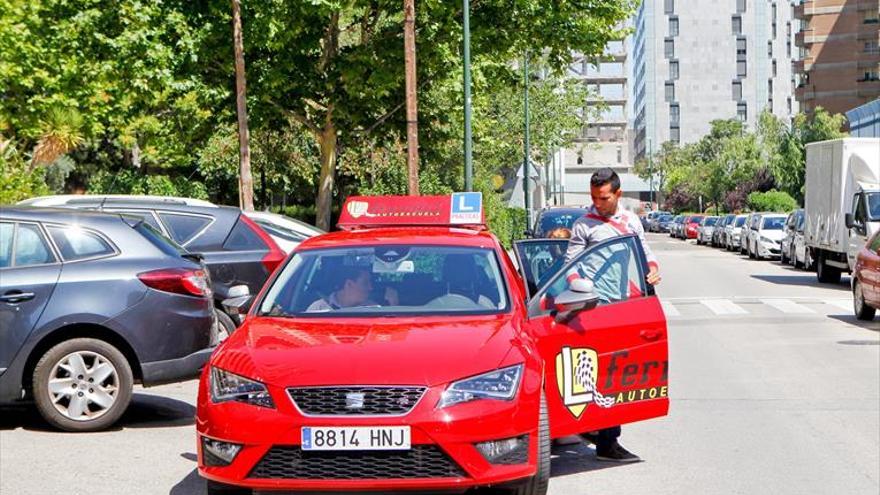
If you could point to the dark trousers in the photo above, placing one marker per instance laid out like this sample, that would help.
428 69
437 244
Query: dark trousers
607 437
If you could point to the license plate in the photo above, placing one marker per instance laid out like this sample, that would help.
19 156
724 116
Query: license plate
356 438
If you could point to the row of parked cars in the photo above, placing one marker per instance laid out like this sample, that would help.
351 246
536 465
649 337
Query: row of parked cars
762 235
98 293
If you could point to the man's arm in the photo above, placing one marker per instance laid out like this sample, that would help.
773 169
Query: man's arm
653 265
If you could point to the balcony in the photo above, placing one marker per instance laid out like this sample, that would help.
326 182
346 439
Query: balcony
869 59
802 65
804 10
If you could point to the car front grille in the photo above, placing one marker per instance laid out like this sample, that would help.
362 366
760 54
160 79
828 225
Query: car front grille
291 462
356 401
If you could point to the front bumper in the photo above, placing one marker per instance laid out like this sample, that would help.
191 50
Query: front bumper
769 250
271 437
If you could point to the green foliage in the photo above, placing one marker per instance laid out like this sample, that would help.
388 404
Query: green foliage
773 200
17 180
133 182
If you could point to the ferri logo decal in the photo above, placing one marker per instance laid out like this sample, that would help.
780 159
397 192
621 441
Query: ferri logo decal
358 209
577 371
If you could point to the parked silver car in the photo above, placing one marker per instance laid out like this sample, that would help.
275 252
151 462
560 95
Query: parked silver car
733 232
706 229
765 236
794 249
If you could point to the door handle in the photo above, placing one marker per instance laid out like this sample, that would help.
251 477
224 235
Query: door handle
16 296
650 335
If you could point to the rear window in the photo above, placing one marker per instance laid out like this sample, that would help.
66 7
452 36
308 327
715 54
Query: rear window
159 240
243 238
184 228
77 244
280 231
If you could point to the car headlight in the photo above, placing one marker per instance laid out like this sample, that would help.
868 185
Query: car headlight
767 240
500 384
226 386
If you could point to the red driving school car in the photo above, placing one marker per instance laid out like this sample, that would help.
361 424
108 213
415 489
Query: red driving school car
408 351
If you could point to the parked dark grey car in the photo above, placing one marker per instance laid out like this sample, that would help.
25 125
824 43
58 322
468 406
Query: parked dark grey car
90 304
236 250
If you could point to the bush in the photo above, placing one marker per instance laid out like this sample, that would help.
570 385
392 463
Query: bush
133 182
17 180
772 200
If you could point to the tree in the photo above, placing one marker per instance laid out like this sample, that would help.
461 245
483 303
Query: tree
246 181
336 66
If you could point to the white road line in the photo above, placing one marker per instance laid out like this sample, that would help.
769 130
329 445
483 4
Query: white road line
787 306
723 307
846 304
669 309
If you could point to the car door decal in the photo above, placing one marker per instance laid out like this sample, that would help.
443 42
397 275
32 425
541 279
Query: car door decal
577 382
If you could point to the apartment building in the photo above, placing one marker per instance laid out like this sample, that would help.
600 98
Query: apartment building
695 61
839 67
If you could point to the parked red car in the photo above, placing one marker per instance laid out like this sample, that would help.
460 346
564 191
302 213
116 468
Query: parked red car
866 280
407 352
692 226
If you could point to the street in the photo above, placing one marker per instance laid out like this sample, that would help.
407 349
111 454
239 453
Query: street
774 386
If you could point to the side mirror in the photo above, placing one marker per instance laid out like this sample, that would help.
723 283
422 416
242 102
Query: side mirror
579 297
238 303
848 219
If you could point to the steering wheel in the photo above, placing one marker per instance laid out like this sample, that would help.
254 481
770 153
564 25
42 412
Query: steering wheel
452 301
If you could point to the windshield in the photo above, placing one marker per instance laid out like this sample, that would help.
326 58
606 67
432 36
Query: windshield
773 223
711 221
666 218
874 206
554 220
739 221
388 280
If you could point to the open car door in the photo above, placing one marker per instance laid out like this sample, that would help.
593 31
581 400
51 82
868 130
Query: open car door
606 361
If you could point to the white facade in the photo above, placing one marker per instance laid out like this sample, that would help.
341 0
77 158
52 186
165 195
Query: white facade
695 61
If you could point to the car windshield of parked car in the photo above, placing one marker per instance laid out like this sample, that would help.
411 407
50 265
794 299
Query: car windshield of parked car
773 223
665 218
553 220
711 221
874 206
739 222
388 280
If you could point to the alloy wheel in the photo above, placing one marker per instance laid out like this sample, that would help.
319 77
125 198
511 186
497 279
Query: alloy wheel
83 385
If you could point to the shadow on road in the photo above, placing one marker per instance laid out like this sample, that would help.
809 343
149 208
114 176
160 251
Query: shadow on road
852 320
145 411
802 280
566 460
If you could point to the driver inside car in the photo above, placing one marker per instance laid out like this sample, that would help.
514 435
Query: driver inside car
353 290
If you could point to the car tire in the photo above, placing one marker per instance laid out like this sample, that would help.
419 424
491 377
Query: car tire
826 274
860 307
217 488
537 484
783 259
225 325
81 363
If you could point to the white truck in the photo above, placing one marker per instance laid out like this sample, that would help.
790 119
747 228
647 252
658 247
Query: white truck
842 202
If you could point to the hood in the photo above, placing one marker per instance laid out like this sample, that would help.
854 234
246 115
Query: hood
381 351
776 235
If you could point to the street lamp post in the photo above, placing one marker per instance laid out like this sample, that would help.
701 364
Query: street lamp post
526 145
468 145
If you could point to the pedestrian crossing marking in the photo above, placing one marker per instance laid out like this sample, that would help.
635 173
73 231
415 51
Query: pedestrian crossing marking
669 309
787 306
723 307
841 303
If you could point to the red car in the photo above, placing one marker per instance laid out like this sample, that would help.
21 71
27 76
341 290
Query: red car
866 280
407 352
692 226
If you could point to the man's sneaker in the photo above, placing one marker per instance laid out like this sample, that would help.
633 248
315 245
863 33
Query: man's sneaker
615 453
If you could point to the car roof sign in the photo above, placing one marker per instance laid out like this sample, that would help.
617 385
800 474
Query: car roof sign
464 209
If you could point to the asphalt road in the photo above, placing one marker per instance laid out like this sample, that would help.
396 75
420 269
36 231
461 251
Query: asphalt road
774 386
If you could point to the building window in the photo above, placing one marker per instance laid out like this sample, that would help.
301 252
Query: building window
673 69
770 49
742 112
770 88
620 154
773 67
741 68
740 6
674 134
673 26
788 49
871 17
872 47
669 6
737 24
774 30
669 48
740 47
674 115
788 102
773 13
669 91
872 75
737 90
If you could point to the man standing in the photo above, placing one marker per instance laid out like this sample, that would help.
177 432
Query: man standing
605 220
